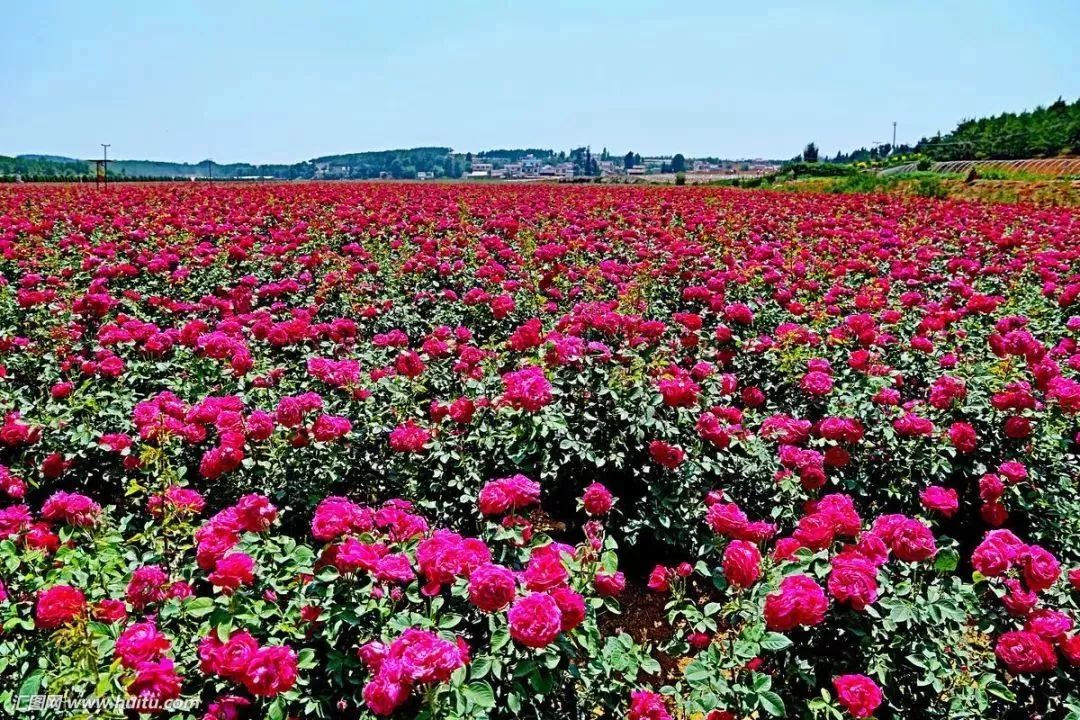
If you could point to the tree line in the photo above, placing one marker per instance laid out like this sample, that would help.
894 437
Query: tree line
1050 131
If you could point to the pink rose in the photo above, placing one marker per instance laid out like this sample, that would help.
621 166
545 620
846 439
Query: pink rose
609 584
799 601
941 500
232 571
491 587
859 695
535 620
1025 652
140 642
742 563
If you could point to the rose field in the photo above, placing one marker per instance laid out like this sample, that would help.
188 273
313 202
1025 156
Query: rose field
320 450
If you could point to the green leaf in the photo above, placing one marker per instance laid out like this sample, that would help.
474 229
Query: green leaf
480 693
499 638
651 665
199 607
999 690
901 612
697 673
947 560
479 668
772 703
307 659
31 684
775 641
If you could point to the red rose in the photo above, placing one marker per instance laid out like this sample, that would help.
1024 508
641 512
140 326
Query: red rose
571 605
742 563
666 455
1070 648
912 541
545 569
646 705
799 601
940 499
816 383
510 493
156 681
270 671
232 571
1041 568
535 620
853 580
859 695
140 642
526 389
1025 652
491 587
597 499
409 438
58 605
609 584
659 579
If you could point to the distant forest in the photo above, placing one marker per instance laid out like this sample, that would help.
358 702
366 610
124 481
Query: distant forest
1049 131
1043 132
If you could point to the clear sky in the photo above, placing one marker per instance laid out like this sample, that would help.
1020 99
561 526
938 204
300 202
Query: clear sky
269 81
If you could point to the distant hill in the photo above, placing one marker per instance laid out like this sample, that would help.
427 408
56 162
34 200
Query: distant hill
206 168
41 166
515 155
49 158
440 161
404 163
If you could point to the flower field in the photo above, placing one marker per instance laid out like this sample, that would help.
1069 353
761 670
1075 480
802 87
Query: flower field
463 451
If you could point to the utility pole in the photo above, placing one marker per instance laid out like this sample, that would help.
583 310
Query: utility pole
105 161
210 169
894 136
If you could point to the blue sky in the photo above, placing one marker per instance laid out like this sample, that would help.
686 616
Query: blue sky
268 81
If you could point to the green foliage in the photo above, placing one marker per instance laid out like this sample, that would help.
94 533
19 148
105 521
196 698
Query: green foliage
1042 132
930 187
815 169
46 167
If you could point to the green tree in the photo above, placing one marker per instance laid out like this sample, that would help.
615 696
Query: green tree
810 154
678 163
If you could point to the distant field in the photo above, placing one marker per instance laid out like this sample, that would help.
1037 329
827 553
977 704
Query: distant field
1046 192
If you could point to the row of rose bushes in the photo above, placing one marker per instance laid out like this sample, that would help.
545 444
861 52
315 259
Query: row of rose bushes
386 614
381 341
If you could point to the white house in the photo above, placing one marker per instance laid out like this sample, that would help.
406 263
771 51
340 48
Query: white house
530 166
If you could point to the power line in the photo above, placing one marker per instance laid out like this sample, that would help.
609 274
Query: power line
105 163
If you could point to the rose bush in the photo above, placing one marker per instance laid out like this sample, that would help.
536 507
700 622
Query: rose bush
329 450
